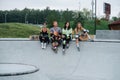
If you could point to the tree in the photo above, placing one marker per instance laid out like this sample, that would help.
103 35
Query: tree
77 19
67 15
114 18
86 13
53 16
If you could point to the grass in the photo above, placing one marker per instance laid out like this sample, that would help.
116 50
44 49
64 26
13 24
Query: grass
17 30
20 30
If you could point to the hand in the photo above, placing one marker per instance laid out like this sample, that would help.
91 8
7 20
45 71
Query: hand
59 38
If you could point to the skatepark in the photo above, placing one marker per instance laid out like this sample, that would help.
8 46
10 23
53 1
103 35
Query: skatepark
98 60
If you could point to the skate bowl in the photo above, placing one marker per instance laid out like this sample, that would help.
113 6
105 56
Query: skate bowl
95 61
14 69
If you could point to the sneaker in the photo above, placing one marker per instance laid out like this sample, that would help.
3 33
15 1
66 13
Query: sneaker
77 45
42 45
78 48
63 51
91 40
67 46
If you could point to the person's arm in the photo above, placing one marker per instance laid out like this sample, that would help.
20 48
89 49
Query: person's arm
40 30
51 32
41 34
63 31
70 31
60 31
76 31
48 31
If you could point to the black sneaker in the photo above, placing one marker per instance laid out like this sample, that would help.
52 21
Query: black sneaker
78 48
67 46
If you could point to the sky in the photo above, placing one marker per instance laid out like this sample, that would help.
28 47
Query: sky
60 5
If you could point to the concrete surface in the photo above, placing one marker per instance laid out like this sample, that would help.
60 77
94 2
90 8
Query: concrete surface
95 61
108 34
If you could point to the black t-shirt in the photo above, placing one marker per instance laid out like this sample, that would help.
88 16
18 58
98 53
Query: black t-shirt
43 34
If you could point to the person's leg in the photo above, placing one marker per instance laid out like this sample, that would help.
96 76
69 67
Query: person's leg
41 40
56 44
64 44
53 44
77 40
48 40
64 41
88 36
67 41
84 37
45 41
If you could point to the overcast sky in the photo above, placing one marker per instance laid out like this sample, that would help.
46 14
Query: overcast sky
60 4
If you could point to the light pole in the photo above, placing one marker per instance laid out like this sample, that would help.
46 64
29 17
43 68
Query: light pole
95 16
92 3
6 17
26 18
79 5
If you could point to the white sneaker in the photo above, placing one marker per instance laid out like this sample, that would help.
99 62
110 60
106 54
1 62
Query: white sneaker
42 45
77 45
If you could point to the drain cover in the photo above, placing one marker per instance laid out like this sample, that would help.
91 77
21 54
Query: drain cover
14 69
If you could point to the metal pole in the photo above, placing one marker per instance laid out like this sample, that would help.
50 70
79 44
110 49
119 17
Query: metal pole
79 5
92 3
95 16
5 17
26 18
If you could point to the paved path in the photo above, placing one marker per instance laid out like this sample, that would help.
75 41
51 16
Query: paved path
95 61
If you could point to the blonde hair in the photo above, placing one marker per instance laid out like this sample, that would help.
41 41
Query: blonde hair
78 29
81 28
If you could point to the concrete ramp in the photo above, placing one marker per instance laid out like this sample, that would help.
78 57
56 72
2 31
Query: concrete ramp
95 61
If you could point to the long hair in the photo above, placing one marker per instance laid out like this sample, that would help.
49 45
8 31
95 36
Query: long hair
80 27
68 26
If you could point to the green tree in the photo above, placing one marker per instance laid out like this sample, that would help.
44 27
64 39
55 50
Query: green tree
77 19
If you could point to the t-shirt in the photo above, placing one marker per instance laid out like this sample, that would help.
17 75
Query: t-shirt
55 30
66 31
80 32
43 34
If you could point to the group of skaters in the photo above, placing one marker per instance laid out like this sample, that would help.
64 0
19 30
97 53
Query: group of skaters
58 36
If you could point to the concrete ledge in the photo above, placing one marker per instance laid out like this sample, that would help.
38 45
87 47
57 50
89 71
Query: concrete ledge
108 34
106 40
73 40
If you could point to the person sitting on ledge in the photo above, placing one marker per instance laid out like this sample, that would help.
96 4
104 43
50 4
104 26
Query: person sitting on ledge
44 36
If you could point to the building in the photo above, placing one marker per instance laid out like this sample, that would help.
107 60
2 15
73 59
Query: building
115 25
